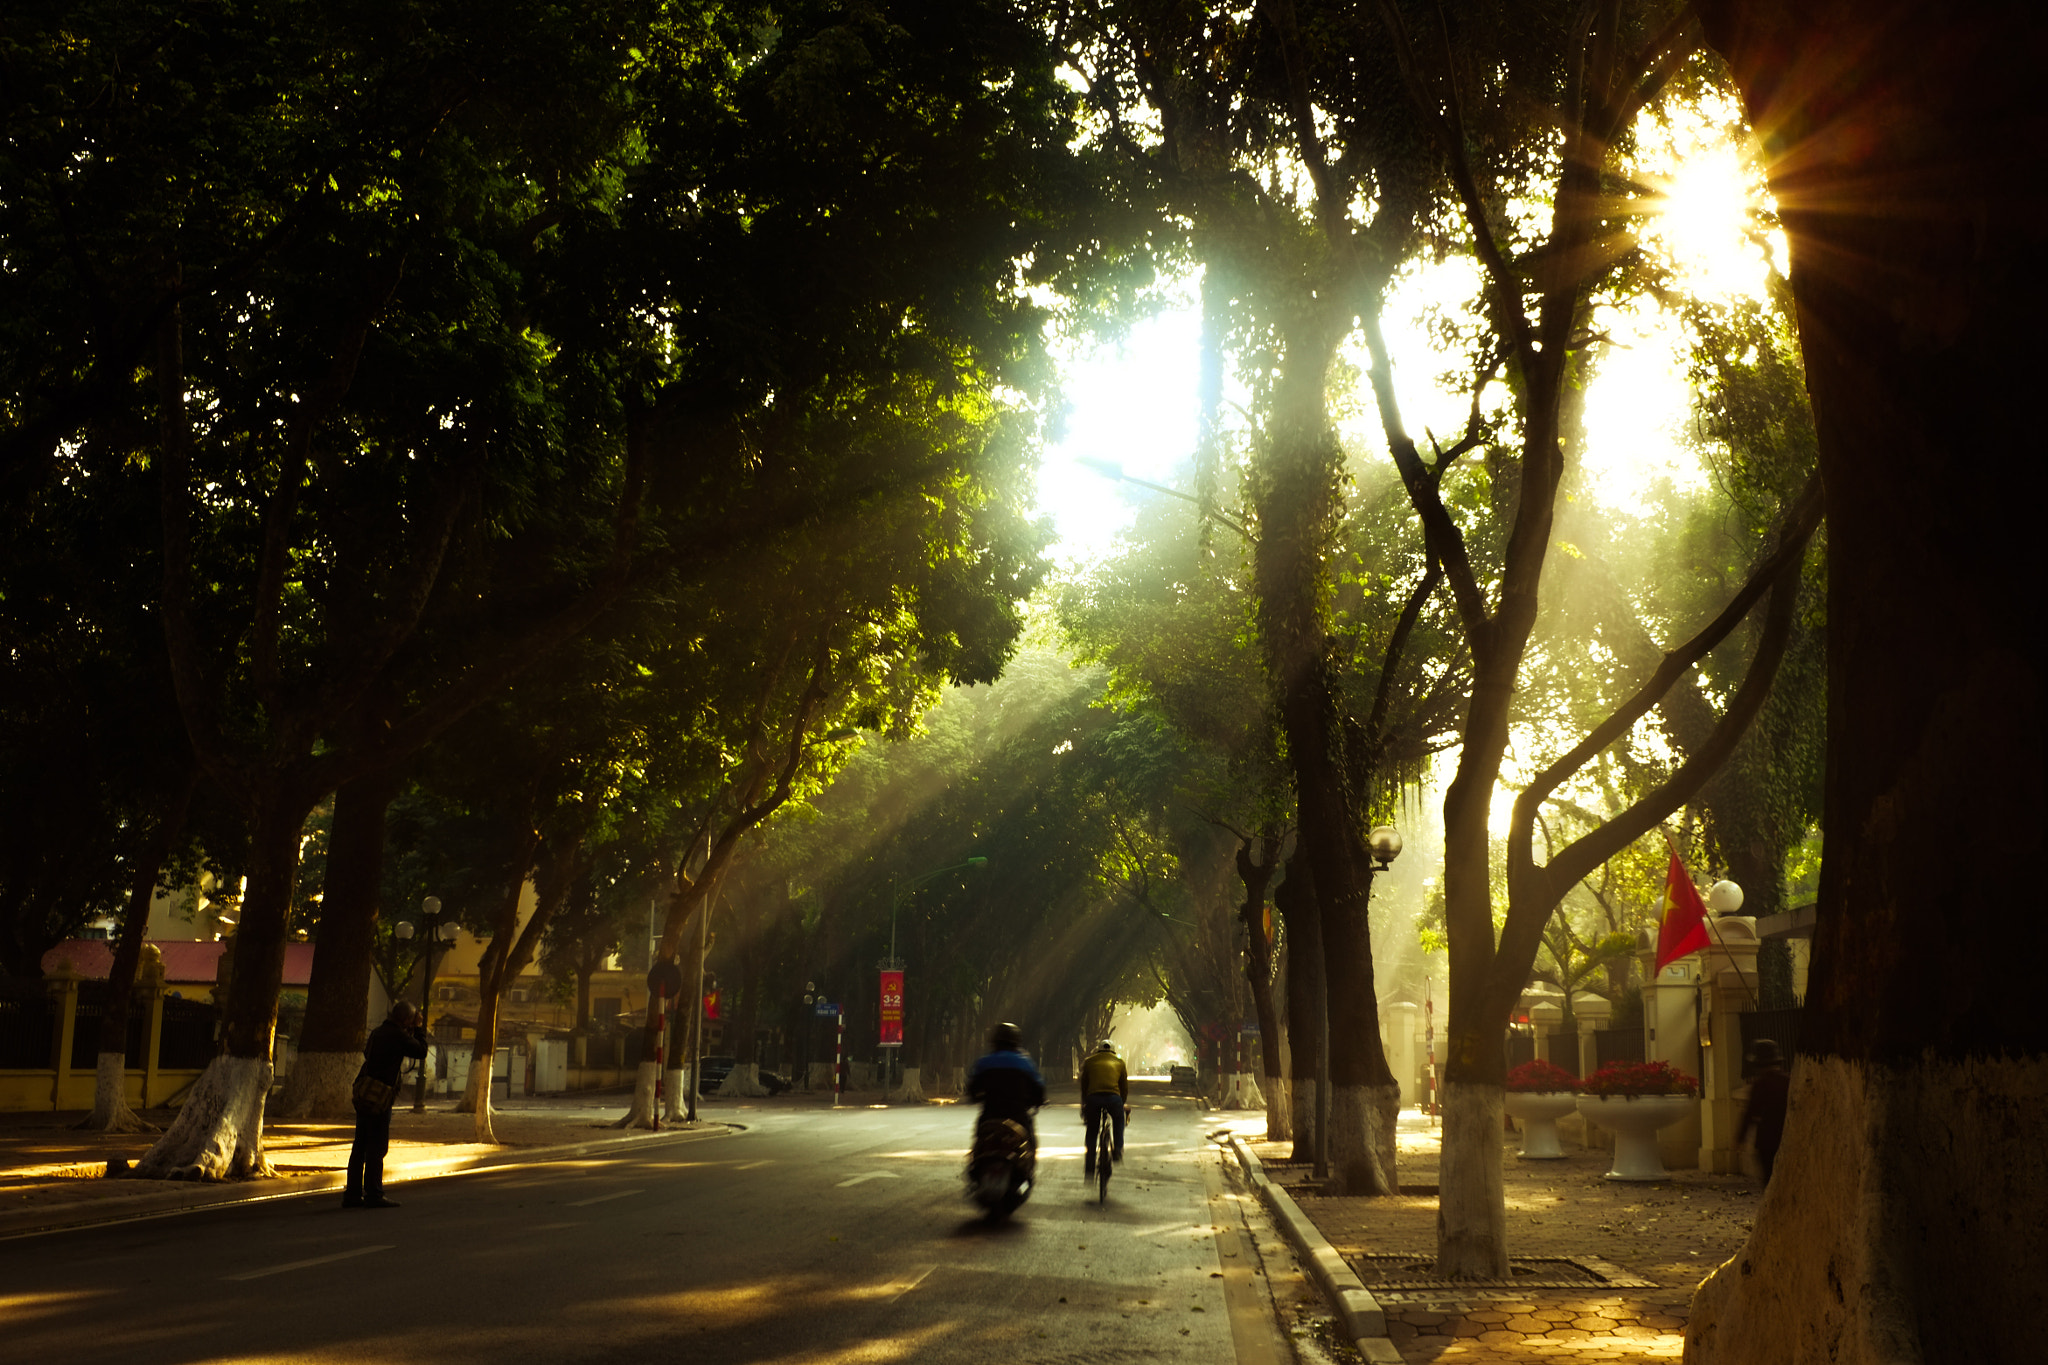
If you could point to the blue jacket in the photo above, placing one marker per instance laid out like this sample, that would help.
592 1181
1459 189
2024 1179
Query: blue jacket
1007 1084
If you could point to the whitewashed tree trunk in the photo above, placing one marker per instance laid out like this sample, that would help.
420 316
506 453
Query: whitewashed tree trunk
1363 1122
479 1076
744 1081
218 1134
1886 1173
319 1086
912 1089
642 1114
110 1111
674 1099
1472 1239
1279 1109
1242 1092
485 1130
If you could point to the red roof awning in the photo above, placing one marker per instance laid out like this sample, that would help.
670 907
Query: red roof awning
186 963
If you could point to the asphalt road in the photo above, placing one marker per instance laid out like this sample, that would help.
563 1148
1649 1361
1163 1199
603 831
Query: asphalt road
815 1236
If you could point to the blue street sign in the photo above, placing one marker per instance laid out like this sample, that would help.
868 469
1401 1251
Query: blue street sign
827 1011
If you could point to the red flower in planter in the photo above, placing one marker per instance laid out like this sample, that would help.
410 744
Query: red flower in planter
1639 1078
1538 1077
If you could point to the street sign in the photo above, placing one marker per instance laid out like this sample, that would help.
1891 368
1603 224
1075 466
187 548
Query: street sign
827 1010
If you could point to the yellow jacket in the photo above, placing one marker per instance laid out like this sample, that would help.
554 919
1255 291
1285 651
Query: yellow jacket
1104 1073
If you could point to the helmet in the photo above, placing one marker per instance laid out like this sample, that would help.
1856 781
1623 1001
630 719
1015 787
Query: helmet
1006 1038
1105 1046
1765 1053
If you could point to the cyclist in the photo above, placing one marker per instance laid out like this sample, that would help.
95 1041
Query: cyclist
1105 1094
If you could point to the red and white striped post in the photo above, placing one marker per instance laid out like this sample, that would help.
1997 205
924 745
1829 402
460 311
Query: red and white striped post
660 1050
1429 1043
838 1056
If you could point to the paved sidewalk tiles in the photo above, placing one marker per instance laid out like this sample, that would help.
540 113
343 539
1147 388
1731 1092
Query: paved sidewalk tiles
1639 1251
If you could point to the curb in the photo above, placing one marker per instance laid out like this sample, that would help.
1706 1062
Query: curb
1363 1318
175 1198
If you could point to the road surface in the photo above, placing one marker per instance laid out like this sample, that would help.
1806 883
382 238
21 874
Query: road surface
815 1236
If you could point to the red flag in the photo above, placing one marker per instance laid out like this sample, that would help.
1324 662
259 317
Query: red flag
1684 929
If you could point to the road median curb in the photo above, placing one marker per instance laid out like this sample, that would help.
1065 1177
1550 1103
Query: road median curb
175 1197
1363 1318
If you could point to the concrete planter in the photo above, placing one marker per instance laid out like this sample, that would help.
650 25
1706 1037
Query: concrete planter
1538 1112
1634 1121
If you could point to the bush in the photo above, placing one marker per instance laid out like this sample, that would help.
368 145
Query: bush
1540 1076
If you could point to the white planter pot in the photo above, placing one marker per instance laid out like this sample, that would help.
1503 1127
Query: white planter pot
1634 1121
1538 1112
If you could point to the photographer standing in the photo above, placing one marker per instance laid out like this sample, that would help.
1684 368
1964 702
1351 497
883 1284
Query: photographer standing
400 1036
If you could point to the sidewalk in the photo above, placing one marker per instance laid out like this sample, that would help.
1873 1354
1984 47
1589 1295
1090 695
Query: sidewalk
52 1175
1603 1270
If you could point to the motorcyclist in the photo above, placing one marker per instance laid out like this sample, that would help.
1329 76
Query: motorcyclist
1006 1082
1105 1095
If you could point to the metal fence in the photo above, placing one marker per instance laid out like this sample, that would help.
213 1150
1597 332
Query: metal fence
188 1041
85 1035
1617 1045
1780 1026
28 1030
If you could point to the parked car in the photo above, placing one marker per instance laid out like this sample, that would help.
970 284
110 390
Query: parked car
773 1083
1182 1078
716 1069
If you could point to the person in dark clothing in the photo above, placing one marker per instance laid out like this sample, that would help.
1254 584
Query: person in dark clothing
1769 1091
1006 1082
401 1035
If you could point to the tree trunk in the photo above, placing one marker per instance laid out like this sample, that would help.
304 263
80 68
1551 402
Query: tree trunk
1295 900
1261 963
218 1134
511 948
1297 502
1904 1219
110 1111
1365 1101
482 1058
683 1029
337 998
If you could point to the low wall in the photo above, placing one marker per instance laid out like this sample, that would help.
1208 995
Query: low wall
33 1090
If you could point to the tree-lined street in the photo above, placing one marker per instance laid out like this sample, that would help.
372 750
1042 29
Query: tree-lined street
813 1235
579 490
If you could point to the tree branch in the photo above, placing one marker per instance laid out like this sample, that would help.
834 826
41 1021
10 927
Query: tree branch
1777 575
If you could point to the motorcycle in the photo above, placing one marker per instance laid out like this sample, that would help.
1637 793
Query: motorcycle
1001 1166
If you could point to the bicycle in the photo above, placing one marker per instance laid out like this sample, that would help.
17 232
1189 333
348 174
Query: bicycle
1105 1146
1105 1149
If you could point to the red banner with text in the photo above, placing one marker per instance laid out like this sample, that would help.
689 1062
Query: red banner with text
892 1009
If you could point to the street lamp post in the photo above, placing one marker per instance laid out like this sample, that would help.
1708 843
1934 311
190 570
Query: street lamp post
1385 845
437 934
897 892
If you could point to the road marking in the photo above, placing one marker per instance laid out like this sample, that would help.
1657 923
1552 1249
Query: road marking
301 1265
755 1165
871 1175
905 1285
602 1198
